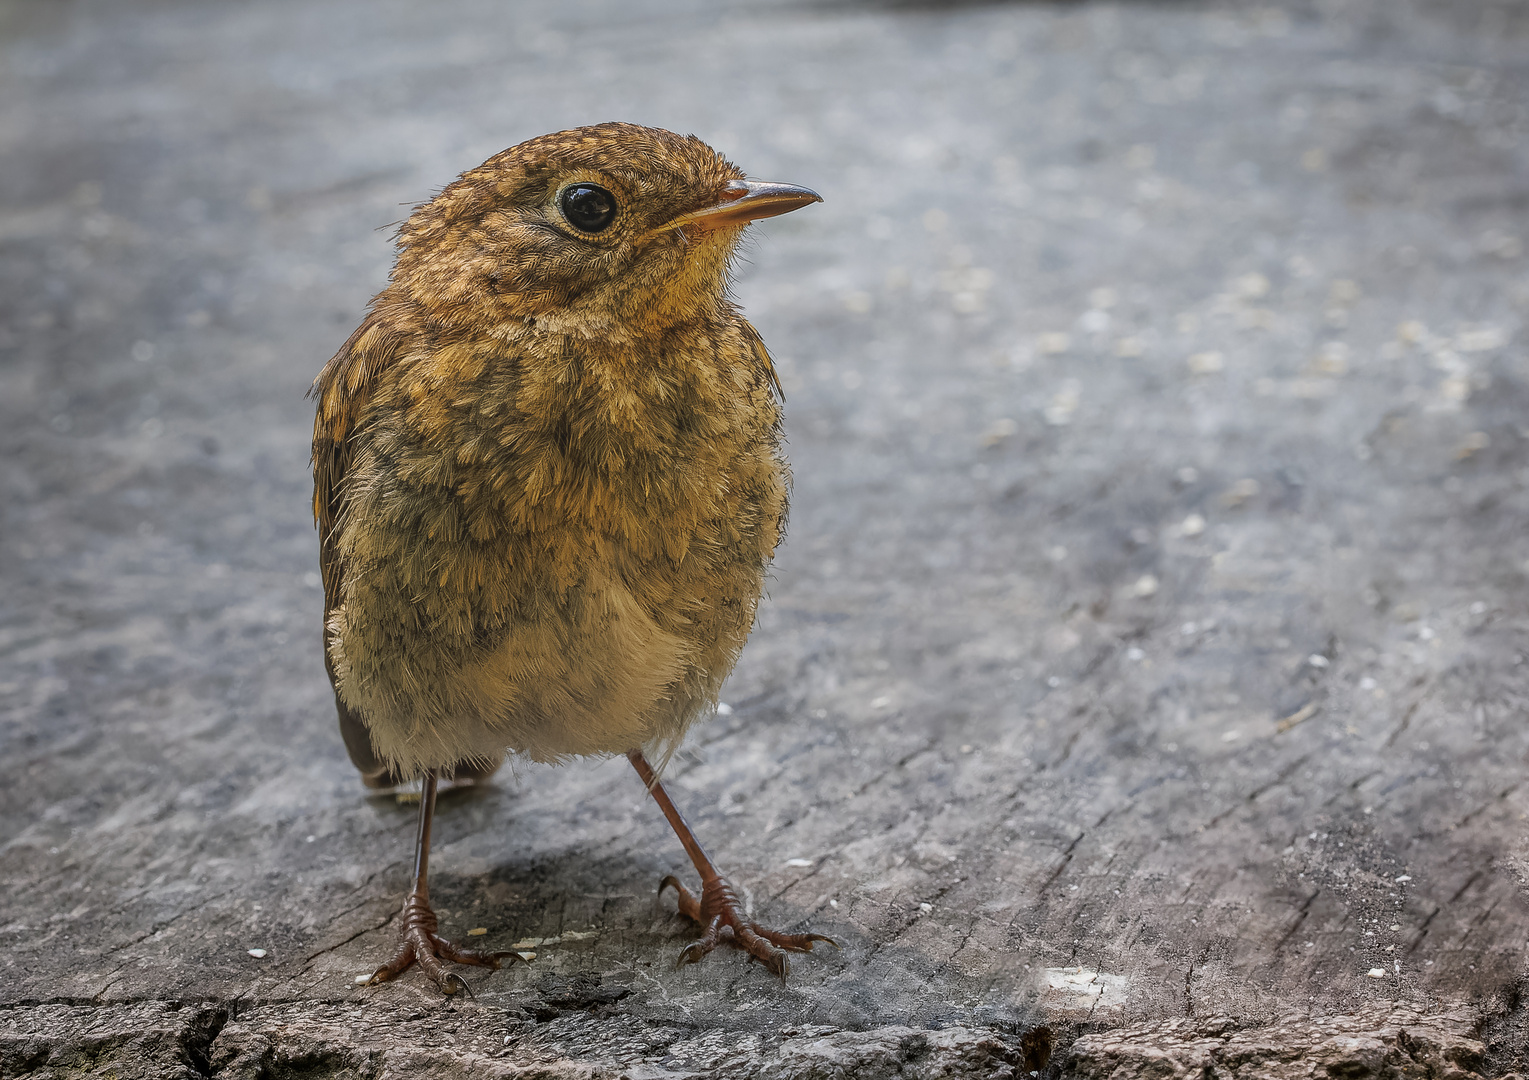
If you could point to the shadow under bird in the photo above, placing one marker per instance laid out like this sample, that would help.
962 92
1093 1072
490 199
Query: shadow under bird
548 481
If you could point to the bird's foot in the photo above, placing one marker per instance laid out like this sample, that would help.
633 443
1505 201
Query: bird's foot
418 943
721 918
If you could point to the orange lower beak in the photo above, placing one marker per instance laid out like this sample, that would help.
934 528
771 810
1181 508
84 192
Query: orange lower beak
744 201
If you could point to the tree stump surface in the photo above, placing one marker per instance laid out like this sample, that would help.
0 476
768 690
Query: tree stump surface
1141 688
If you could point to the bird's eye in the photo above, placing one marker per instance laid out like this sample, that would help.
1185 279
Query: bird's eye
588 207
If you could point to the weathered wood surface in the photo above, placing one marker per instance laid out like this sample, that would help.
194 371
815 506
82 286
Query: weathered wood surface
1142 686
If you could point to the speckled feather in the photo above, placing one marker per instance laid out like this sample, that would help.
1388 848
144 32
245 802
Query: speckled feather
547 466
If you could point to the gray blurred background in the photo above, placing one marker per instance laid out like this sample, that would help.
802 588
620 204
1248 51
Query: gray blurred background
1143 673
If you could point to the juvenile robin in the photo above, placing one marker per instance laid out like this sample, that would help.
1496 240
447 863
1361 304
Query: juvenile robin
548 481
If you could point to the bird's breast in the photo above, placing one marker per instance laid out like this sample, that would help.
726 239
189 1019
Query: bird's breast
532 471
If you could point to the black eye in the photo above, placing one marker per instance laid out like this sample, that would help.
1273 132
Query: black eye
588 207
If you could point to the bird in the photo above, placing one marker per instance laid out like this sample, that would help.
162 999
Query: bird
548 484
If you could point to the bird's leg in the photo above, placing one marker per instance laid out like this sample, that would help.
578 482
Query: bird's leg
418 943
717 909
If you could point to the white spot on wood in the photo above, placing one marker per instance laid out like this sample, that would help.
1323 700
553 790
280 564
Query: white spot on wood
1082 988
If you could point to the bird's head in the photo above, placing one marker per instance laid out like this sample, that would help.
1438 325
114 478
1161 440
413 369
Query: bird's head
602 230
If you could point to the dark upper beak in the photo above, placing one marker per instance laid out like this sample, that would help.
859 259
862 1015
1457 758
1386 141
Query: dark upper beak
743 201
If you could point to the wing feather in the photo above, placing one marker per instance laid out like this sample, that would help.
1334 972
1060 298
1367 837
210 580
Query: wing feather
341 392
761 355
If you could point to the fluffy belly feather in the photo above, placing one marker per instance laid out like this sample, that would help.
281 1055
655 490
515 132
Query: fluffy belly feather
561 653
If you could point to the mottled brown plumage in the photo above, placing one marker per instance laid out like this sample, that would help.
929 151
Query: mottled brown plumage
547 465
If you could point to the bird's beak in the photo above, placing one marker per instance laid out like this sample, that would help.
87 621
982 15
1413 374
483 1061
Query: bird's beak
742 201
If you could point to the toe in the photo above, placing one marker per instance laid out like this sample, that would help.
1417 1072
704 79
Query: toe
794 942
447 951
395 967
767 954
690 906
448 981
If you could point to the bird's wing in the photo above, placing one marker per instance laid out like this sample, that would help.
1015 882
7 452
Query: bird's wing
761 355
333 422
342 391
